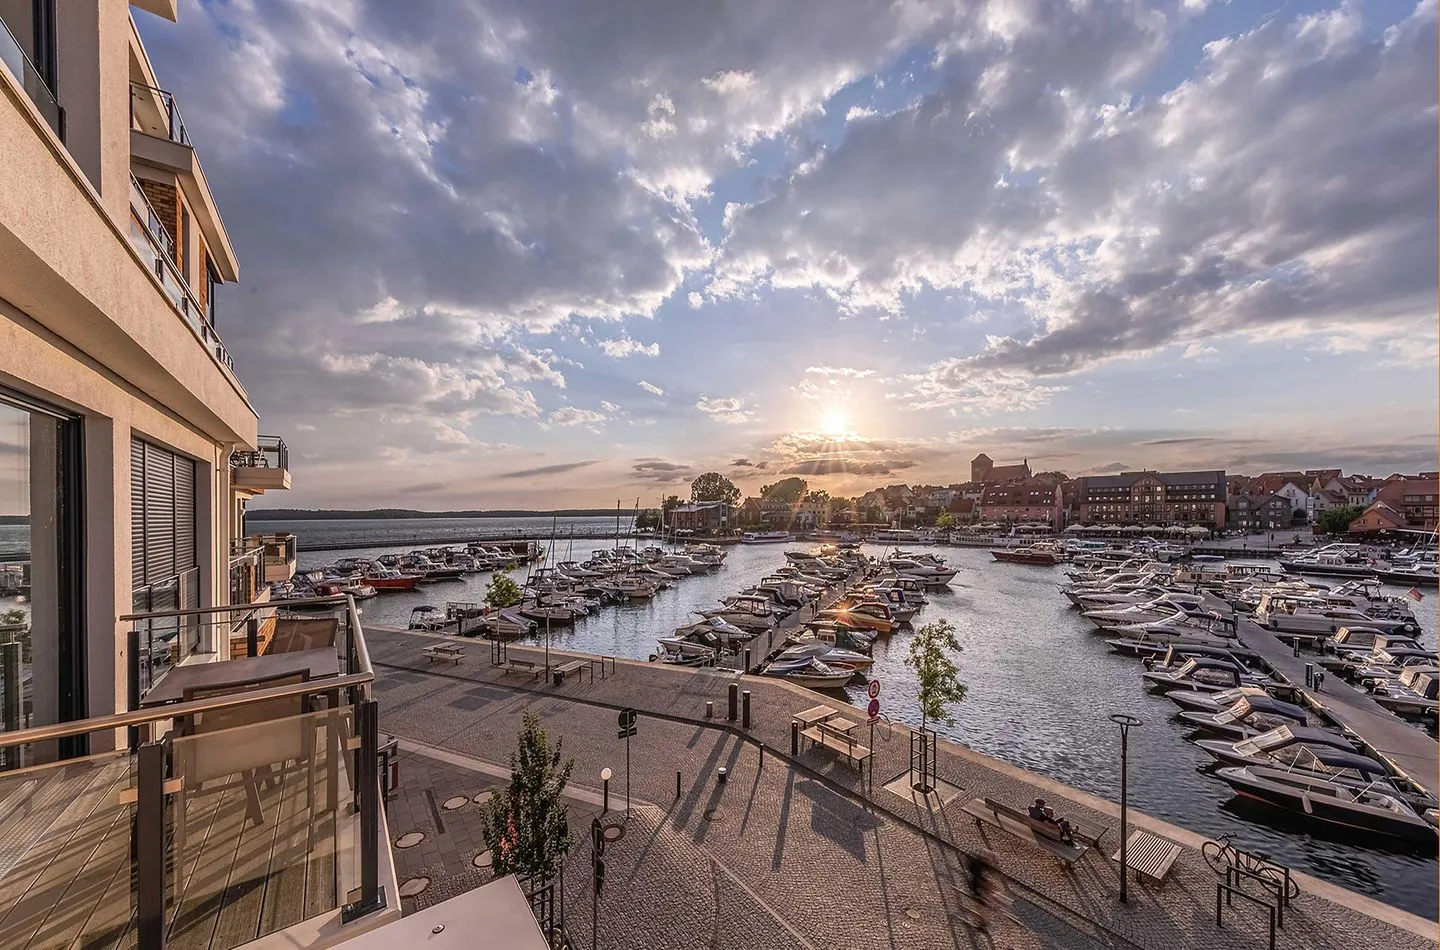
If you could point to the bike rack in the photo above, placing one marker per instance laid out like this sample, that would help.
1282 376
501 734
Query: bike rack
1228 893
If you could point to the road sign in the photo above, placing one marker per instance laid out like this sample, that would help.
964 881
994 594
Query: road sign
874 710
874 689
627 723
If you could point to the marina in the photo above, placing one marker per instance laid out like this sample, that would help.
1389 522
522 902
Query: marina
1024 647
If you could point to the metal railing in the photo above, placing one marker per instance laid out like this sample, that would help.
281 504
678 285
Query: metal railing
154 112
13 55
272 452
291 764
149 237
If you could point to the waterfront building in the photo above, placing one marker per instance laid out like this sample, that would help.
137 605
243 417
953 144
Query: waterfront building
702 516
1408 502
1150 497
128 450
1028 501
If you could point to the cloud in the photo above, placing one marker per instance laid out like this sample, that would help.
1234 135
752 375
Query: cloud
608 406
1285 189
695 300
1113 467
556 469
742 463
651 388
574 416
845 466
659 470
623 347
729 410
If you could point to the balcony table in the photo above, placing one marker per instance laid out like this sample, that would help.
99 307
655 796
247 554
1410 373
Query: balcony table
321 663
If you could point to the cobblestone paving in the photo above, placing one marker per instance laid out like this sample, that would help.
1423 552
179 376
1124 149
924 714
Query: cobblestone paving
797 835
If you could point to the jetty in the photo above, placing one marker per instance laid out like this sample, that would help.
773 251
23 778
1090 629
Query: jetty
1407 750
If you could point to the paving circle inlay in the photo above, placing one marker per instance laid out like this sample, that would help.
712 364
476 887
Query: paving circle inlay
483 860
409 839
414 887
481 798
459 801
713 814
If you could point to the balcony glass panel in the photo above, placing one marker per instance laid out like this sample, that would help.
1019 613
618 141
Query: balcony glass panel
12 54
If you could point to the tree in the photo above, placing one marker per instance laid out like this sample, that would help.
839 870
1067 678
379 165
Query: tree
647 518
818 497
670 503
930 657
789 490
527 828
502 591
945 522
712 486
1337 520
841 503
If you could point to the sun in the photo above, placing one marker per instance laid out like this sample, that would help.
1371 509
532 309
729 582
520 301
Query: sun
833 421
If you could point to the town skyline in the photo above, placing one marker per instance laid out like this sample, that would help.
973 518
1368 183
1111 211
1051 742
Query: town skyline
487 265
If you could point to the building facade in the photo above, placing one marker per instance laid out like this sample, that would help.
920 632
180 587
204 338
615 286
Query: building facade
135 443
1031 501
704 516
984 470
1148 497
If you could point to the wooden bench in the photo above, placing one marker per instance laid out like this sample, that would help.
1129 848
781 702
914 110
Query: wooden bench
575 666
522 666
444 651
1041 834
838 741
1149 855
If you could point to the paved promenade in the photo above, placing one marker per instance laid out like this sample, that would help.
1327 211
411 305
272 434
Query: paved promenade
812 852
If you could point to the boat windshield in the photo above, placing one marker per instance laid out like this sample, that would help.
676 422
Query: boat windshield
1237 712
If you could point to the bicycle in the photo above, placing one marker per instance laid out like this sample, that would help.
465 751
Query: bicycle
1222 855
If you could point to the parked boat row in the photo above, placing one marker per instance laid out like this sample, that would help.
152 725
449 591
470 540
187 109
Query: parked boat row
1266 748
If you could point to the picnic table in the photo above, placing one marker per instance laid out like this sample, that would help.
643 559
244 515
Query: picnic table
841 725
814 714
1149 855
444 651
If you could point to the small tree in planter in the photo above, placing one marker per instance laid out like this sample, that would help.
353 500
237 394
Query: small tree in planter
527 826
930 656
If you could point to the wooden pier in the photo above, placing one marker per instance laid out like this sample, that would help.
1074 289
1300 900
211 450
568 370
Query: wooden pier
1406 749
767 644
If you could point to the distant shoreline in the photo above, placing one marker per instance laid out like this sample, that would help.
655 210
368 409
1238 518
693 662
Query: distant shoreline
376 514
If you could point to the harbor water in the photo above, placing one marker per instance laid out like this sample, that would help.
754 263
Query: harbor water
1041 685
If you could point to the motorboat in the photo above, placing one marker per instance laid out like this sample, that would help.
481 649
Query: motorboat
901 610
1350 643
1156 608
1304 747
426 617
704 636
749 612
1207 702
1420 574
1203 673
832 656
385 579
1372 810
869 614
506 625
1153 646
1249 716
809 671
1031 554
1412 693
765 537
1341 559
1314 616
676 565
929 574
850 638
1388 658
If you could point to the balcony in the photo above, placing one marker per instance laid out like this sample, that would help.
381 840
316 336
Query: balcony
267 469
24 71
157 250
276 554
154 112
244 806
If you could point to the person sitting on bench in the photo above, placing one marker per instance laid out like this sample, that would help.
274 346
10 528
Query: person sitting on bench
1043 812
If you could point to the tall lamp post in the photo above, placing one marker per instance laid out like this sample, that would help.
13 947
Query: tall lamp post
1124 721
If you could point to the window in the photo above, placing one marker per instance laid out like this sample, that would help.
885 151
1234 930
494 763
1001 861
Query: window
164 574
42 647
211 280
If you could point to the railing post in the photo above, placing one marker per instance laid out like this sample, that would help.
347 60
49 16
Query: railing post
372 896
150 846
252 636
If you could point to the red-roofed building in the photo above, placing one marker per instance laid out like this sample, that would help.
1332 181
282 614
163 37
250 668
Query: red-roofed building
982 469
1415 499
1031 501
1378 517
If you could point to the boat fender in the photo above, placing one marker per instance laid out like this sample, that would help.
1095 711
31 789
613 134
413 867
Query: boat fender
1305 803
652 658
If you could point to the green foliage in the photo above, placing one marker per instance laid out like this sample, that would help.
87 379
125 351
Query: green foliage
931 652
789 490
872 515
1337 520
670 503
527 827
945 522
502 591
818 497
648 518
712 486
841 503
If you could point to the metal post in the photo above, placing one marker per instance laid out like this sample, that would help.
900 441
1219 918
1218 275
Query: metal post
1124 721
1309 674
150 846
794 737
372 896
677 783
745 708
747 660
627 777
605 791
709 709
252 637
734 697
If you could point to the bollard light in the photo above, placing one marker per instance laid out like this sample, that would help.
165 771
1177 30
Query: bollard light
709 709
721 774
605 774
745 709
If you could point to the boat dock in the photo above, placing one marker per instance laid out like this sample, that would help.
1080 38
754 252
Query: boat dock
762 647
1406 749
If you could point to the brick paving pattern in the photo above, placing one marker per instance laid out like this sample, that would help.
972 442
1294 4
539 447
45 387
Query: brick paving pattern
842 864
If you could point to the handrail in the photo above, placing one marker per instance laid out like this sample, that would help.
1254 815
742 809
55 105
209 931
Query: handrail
333 599
138 717
175 131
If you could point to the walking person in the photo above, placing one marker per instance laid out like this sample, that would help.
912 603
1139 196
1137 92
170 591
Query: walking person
984 889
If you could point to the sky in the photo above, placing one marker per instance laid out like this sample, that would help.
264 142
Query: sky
534 253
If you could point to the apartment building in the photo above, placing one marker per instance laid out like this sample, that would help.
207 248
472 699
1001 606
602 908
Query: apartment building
146 684
1149 497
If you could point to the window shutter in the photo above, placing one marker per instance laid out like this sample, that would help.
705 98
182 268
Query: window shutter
137 513
184 514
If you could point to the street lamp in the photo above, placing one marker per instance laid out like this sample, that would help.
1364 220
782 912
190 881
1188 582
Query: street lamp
1124 721
605 786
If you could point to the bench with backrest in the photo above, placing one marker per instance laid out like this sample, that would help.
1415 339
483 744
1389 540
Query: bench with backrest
522 666
837 740
1149 855
444 651
1043 834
